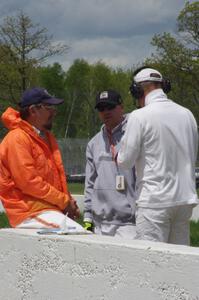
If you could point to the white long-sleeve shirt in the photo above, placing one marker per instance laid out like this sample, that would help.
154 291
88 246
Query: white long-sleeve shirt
161 140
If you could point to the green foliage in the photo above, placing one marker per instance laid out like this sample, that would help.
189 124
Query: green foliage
23 47
188 23
79 90
53 79
83 82
177 57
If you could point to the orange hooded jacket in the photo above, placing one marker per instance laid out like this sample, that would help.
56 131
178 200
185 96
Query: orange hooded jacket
32 177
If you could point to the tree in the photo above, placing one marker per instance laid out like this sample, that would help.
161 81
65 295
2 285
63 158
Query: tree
178 58
83 82
9 79
53 78
188 23
27 45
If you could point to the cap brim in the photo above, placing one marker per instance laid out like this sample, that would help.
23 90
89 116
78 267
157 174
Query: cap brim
106 102
53 101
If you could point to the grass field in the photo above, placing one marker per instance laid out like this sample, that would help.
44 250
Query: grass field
78 188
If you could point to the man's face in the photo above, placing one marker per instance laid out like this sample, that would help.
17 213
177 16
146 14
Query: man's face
110 114
43 115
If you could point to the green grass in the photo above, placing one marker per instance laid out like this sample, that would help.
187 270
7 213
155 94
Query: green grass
76 188
194 233
4 223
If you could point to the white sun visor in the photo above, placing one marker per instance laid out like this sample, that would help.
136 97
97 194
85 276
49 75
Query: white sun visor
148 75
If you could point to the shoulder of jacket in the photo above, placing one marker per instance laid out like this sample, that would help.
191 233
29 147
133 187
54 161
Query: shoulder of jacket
95 138
17 135
137 113
15 132
95 142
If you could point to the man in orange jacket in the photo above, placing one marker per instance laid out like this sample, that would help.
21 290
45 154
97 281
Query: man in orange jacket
33 186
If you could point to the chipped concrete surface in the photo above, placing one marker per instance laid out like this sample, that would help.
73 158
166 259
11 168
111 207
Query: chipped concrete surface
92 267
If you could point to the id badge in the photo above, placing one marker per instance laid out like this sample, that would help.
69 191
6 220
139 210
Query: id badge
120 184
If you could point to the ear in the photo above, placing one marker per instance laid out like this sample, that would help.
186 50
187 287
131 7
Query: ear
32 110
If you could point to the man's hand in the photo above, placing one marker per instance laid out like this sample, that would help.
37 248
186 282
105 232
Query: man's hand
88 226
72 210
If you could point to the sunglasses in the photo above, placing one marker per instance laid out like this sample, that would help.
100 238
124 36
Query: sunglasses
102 108
46 106
49 106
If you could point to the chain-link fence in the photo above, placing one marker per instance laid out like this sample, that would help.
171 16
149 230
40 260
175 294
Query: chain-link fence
73 155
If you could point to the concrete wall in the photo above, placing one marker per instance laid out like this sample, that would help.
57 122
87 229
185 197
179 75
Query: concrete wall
94 268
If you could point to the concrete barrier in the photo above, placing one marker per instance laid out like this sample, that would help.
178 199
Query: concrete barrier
94 268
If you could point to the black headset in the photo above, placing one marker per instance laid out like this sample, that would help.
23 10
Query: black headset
136 88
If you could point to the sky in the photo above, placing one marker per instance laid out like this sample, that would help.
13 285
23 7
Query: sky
116 32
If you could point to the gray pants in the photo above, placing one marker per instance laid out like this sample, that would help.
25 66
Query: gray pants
168 225
124 231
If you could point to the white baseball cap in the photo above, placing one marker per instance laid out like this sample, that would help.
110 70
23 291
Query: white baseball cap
148 75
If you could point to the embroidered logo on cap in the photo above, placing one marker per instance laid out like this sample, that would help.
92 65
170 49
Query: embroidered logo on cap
104 95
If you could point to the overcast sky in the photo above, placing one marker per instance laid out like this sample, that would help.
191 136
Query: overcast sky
117 32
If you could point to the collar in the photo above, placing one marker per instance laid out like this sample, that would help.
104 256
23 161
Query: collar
40 133
156 95
36 130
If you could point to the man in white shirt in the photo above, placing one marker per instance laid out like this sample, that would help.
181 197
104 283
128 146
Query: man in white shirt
161 140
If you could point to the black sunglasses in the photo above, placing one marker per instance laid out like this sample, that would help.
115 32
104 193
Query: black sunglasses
106 107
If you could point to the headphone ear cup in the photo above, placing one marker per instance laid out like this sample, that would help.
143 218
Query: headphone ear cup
166 85
136 90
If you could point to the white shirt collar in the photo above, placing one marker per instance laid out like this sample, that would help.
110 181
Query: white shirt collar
36 130
156 95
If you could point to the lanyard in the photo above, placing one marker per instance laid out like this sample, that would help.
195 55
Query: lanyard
112 148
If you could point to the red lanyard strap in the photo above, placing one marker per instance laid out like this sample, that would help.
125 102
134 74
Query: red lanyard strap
112 147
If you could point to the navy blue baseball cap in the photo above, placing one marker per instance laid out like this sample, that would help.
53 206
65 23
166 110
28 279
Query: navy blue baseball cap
38 95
